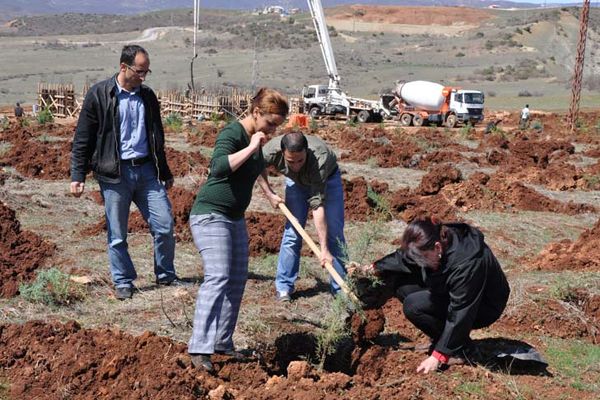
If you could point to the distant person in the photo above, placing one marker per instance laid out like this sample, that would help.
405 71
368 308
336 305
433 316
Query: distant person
449 282
18 111
312 182
120 137
34 109
524 117
219 228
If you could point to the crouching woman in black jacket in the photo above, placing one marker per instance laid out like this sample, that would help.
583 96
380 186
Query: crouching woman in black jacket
449 283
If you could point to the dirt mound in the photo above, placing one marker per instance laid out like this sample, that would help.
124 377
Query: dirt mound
21 253
360 197
205 134
40 159
578 317
583 254
409 15
264 231
411 206
183 163
437 178
41 358
16 133
387 151
499 193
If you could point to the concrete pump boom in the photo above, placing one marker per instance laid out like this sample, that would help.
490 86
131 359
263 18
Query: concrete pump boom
318 17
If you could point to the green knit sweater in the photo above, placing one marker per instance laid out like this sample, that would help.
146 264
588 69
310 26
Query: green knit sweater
226 192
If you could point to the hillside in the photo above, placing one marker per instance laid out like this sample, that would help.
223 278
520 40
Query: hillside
507 54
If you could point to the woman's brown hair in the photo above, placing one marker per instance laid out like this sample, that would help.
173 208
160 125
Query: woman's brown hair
269 101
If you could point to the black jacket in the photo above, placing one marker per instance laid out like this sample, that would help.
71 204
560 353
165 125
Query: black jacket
97 137
469 276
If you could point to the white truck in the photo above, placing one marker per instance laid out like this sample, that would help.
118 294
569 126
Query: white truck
330 99
420 102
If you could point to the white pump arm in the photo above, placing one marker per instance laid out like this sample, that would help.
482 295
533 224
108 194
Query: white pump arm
318 16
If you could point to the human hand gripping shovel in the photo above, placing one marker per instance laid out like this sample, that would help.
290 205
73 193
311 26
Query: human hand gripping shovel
336 277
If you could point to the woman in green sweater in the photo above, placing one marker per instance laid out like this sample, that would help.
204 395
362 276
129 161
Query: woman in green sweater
218 225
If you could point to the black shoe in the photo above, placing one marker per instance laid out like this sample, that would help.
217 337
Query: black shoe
173 282
203 361
124 293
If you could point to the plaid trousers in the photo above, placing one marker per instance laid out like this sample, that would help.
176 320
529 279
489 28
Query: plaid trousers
223 244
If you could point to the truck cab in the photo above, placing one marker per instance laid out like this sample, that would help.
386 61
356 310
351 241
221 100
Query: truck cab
467 105
321 99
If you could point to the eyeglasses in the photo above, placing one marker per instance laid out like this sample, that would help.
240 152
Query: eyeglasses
138 72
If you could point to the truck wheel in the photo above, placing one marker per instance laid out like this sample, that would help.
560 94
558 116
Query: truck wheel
363 116
451 121
405 119
417 120
314 112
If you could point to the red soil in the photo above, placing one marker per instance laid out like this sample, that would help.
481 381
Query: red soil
583 254
21 253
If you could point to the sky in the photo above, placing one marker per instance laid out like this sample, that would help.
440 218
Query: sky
554 1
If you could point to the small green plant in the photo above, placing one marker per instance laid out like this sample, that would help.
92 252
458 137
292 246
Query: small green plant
352 122
45 116
465 130
174 122
24 122
537 125
4 123
592 181
334 330
51 287
215 118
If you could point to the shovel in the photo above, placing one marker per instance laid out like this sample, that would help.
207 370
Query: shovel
336 277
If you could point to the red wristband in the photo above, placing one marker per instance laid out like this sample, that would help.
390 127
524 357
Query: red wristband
440 357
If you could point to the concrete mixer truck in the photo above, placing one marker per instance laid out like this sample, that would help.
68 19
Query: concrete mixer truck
419 102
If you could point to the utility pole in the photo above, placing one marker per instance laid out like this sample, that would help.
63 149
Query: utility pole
195 54
578 69
255 67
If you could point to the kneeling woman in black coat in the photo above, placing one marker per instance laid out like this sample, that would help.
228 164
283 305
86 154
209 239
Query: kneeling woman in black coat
449 283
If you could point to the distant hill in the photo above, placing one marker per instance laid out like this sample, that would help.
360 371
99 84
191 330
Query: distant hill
12 8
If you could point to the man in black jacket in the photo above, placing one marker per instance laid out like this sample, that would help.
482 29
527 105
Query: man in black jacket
449 283
120 138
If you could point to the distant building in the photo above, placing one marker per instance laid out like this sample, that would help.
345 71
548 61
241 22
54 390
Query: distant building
493 6
274 10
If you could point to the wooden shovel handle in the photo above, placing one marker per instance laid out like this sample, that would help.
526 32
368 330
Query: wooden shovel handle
334 274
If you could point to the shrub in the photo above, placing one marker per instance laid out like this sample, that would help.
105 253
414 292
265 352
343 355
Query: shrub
174 122
524 93
537 125
459 54
334 329
52 287
45 116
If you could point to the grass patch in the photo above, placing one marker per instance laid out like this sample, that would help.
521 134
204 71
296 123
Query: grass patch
471 388
577 362
264 266
53 288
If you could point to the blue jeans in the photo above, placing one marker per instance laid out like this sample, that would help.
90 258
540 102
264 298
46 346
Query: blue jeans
140 185
296 199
